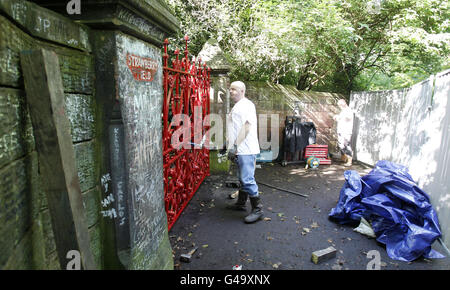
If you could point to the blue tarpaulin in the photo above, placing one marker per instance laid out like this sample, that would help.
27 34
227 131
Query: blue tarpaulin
400 213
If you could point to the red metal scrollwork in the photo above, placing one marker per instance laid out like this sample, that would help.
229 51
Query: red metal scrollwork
186 90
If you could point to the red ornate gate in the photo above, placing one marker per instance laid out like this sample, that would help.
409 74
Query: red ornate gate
186 91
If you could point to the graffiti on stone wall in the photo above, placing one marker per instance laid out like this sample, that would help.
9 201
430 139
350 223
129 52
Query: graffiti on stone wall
119 186
109 201
106 202
144 26
141 106
46 25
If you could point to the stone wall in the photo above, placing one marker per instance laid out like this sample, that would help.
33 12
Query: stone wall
281 100
115 126
26 235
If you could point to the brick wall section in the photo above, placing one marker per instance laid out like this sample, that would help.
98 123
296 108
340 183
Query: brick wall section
316 107
26 235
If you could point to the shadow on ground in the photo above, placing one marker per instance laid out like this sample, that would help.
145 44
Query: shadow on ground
293 228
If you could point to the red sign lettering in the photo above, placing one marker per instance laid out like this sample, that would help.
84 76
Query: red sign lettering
142 68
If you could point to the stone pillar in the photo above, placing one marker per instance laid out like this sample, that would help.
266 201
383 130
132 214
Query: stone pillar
212 54
127 37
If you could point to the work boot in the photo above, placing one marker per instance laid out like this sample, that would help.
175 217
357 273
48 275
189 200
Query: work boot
344 158
240 203
257 212
349 161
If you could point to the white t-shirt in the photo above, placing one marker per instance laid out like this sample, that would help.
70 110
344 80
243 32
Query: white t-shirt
243 111
345 122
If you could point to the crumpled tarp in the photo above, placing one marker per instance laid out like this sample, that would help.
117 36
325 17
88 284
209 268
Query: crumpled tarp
400 213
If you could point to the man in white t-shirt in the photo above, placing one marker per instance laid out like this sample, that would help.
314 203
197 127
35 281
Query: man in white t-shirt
243 146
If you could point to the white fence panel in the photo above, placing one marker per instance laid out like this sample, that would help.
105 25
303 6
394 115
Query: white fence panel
410 127
436 178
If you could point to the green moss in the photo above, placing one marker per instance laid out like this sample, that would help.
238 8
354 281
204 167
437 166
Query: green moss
216 164
21 257
91 202
161 260
96 245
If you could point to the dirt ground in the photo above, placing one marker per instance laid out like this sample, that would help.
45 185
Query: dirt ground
293 228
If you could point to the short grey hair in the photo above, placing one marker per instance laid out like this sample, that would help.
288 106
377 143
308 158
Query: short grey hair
342 102
239 84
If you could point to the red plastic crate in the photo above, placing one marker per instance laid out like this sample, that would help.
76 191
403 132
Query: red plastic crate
318 151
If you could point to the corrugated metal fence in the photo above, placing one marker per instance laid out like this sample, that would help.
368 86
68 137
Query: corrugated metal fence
410 127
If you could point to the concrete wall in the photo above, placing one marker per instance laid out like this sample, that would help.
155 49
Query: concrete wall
26 236
410 127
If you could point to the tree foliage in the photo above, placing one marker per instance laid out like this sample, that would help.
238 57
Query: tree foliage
328 45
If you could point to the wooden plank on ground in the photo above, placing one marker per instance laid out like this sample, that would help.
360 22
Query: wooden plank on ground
51 126
323 255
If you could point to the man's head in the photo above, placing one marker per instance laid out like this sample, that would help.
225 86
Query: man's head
237 91
342 104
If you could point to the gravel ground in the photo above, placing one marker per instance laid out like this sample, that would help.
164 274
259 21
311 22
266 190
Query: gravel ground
293 227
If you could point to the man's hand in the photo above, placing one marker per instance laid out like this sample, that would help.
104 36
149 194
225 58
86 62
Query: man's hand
223 151
232 154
